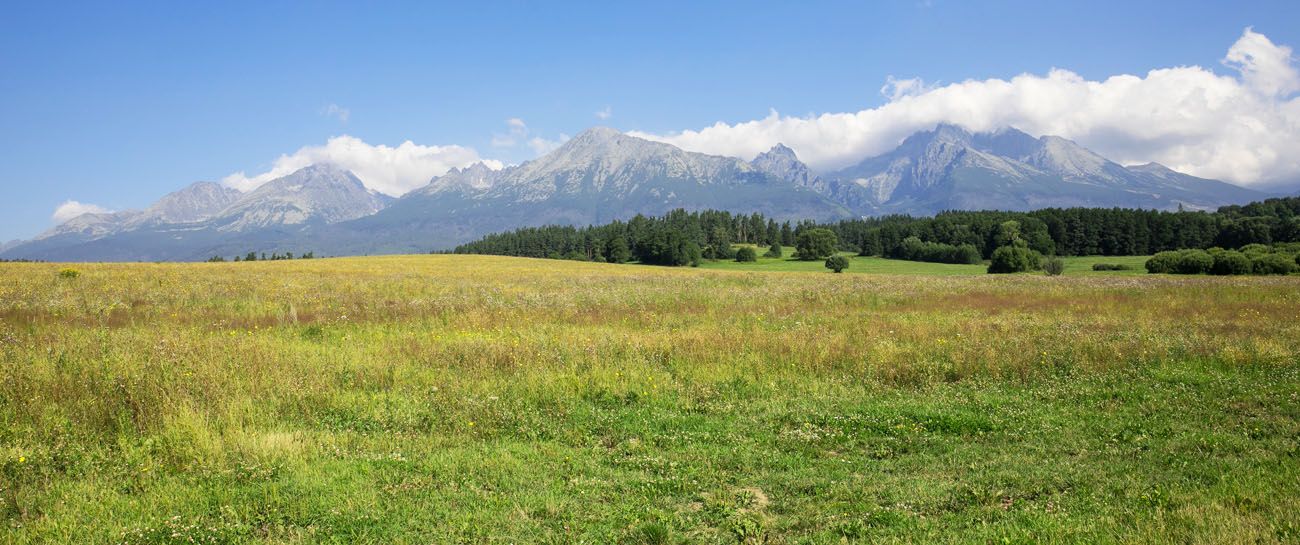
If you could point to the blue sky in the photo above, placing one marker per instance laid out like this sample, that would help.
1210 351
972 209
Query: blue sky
117 104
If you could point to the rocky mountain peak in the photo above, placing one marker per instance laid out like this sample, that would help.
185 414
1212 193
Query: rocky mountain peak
781 162
319 192
780 150
196 202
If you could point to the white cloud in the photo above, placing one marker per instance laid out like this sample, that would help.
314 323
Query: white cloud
518 131
71 209
1242 127
895 88
605 113
388 170
339 112
542 146
1266 67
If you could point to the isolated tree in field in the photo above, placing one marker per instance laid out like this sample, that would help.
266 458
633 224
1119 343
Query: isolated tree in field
816 243
746 255
1013 259
837 263
775 251
1013 254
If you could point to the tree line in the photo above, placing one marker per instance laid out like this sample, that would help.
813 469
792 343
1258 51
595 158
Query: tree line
676 238
252 256
682 238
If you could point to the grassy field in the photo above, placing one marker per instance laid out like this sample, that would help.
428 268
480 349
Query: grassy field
469 399
880 265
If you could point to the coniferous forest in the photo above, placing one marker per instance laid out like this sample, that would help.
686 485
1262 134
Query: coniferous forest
682 237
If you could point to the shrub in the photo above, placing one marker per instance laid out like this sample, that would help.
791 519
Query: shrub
1162 263
1013 259
816 243
746 254
69 273
1110 267
1273 264
1230 262
1255 251
1194 262
775 251
837 263
1054 266
1181 262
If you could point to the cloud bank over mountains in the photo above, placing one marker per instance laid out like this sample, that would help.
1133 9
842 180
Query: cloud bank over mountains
389 170
71 209
1243 127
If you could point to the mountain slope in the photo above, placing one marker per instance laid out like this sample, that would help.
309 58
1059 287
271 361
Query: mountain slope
197 202
207 219
604 175
950 168
598 176
318 193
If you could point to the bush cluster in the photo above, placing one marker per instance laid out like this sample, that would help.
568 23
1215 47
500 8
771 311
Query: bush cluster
1273 264
1251 259
1014 259
1111 267
746 255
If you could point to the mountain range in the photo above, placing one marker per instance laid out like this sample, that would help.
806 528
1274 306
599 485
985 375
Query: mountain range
603 175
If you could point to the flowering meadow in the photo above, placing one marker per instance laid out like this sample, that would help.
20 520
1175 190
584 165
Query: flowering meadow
475 399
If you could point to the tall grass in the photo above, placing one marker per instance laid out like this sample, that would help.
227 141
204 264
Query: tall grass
486 399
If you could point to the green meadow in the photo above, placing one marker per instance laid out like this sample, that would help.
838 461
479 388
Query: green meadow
880 265
475 399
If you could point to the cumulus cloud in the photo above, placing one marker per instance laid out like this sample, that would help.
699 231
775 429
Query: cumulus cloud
605 113
895 88
542 146
388 170
338 112
518 130
71 209
1242 127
